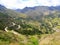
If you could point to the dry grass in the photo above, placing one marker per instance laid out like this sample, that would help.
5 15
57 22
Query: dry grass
53 39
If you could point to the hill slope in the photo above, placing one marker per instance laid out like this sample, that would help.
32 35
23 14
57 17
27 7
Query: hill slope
40 25
39 11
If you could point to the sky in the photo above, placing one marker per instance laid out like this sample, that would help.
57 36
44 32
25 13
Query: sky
28 3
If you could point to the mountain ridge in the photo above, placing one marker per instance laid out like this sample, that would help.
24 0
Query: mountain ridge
33 8
37 26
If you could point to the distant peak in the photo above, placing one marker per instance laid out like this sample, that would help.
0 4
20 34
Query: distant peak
2 6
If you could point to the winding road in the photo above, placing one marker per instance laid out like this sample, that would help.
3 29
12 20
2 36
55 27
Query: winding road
13 24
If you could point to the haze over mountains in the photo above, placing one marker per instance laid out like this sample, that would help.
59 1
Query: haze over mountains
39 10
39 14
37 25
44 8
36 8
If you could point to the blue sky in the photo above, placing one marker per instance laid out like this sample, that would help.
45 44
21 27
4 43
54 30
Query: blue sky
28 3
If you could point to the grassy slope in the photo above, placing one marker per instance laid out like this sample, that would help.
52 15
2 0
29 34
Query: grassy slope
50 39
8 38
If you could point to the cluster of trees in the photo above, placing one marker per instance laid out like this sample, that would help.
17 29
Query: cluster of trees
31 26
44 26
5 20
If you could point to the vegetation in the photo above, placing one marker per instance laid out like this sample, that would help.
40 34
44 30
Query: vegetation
36 30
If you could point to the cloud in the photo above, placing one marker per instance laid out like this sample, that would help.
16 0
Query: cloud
29 3
49 2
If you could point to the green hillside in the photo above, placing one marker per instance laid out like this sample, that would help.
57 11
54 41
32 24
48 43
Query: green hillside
21 29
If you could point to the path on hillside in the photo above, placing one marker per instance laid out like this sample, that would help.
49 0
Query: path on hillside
13 24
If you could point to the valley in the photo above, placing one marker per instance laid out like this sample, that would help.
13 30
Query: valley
30 26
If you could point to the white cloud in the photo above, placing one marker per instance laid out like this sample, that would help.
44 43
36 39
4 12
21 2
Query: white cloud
29 3
55 2
49 2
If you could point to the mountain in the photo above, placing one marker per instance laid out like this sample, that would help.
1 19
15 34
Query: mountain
2 8
25 9
10 12
7 16
5 20
39 14
37 26
39 10
42 8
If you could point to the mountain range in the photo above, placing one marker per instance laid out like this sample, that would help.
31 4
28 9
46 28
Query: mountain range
38 25
39 10
44 8
31 11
